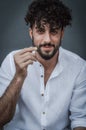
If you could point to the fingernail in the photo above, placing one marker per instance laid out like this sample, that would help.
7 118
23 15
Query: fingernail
35 48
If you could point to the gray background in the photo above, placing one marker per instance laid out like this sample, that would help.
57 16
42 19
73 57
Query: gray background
14 32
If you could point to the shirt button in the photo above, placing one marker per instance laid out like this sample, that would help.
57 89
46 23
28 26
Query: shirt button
40 65
43 113
42 94
41 76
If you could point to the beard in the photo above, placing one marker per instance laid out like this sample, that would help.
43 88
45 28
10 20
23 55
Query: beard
47 55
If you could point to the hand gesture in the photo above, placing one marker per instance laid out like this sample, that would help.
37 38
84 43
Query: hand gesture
24 58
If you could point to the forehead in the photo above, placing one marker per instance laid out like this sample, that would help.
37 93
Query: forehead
44 25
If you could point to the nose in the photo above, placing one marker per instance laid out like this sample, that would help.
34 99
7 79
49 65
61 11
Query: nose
47 37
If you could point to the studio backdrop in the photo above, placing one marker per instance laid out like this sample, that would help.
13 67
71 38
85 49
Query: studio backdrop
14 31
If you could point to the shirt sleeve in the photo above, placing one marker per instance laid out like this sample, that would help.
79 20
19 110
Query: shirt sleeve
78 100
6 72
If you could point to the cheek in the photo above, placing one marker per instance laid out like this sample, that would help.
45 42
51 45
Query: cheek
37 39
56 40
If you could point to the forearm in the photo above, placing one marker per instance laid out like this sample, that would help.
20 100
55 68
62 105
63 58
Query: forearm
80 128
9 99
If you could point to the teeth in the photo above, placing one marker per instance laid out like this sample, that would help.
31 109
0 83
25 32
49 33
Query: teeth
47 45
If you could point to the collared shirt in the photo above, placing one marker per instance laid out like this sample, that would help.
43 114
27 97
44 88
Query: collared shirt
59 105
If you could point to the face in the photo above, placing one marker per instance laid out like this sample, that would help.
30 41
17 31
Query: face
47 40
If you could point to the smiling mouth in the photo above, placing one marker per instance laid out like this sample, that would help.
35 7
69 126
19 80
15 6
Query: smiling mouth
47 45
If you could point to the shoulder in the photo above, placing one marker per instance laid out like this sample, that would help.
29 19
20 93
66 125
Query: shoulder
8 62
71 61
10 55
71 57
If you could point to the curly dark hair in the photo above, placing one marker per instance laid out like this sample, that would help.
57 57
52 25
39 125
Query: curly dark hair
53 12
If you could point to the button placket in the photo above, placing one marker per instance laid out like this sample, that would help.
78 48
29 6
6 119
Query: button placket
43 119
42 80
47 93
42 92
45 108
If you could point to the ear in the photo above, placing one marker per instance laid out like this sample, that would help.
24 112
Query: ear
30 32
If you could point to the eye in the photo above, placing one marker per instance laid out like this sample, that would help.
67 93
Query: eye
40 31
54 32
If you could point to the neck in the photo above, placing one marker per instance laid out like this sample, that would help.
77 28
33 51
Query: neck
49 65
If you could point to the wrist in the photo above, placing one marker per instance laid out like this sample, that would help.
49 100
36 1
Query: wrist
19 77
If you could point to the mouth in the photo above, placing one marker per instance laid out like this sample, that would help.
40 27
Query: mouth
47 47
47 44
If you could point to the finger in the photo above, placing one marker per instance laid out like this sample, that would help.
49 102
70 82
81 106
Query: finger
28 54
28 57
30 49
24 58
25 64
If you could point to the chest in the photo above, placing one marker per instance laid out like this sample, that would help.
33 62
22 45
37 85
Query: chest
47 75
52 102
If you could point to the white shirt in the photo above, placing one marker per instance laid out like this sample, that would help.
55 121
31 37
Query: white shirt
49 108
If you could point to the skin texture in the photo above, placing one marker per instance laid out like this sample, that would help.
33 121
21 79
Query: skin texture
9 98
80 128
43 37
47 21
24 58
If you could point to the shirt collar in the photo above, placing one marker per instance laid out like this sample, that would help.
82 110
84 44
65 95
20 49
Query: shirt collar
59 66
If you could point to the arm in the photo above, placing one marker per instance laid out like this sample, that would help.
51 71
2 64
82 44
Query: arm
78 102
10 97
80 128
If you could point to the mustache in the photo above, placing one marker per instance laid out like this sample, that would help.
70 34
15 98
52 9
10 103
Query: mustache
47 44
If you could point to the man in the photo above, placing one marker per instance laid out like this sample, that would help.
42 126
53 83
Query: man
43 87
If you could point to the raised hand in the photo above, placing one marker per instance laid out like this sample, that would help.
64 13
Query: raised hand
24 58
